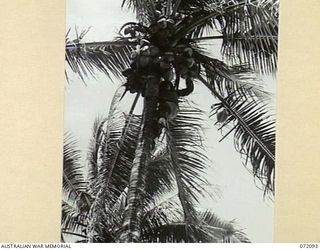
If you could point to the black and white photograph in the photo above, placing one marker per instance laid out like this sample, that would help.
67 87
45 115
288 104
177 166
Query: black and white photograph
169 121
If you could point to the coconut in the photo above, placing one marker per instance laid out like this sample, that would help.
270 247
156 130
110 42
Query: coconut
168 75
154 51
144 61
193 73
144 42
134 55
189 62
162 122
180 47
145 51
159 59
188 52
162 23
169 20
132 40
222 115
164 65
182 70
157 13
127 31
170 58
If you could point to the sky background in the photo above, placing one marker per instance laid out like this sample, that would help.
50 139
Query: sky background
239 197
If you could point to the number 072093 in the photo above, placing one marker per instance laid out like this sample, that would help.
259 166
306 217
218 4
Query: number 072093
309 245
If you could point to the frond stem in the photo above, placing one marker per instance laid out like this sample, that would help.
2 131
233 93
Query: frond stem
234 38
102 43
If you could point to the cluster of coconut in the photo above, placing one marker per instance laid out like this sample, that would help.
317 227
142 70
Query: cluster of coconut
157 54
158 58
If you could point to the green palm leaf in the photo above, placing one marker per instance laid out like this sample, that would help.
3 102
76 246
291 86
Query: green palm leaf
211 229
159 175
250 33
72 220
112 147
188 161
73 176
220 230
249 30
116 153
254 136
94 152
237 80
246 103
109 57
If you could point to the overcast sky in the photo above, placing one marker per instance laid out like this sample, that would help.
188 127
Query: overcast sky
239 198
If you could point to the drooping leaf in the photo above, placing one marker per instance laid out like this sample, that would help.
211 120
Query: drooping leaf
72 220
159 175
254 136
250 33
109 57
94 153
188 160
73 175
116 154
210 229
237 80
249 30
219 230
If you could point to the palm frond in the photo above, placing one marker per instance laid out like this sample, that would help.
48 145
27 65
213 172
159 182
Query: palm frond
254 134
159 175
159 215
73 176
72 220
161 226
120 144
145 9
220 230
249 30
117 136
250 33
197 13
168 233
210 229
94 150
160 182
237 80
188 161
120 138
109 57
167 210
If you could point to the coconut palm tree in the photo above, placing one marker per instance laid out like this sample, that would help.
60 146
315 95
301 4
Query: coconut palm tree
163 50
162 219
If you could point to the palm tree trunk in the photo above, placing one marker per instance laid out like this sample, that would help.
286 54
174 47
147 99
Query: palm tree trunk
136 193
